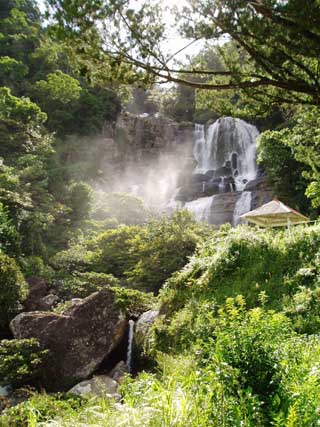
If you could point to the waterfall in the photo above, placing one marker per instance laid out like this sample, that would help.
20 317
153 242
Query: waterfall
228 144
225 155
243 205
201 208
130 345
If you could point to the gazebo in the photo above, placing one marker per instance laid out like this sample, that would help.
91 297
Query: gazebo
274 214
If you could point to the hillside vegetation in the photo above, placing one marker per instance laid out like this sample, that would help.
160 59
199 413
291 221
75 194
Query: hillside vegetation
237 342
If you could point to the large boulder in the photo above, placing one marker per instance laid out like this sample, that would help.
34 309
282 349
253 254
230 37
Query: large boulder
78 341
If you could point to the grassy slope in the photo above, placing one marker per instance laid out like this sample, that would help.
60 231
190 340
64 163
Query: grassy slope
225 359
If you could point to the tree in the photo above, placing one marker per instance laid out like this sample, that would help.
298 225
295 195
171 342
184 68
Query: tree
13 290
303 139
282 52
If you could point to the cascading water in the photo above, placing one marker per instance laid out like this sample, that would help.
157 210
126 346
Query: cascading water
243 206
201 208
229 144
130 344
226 162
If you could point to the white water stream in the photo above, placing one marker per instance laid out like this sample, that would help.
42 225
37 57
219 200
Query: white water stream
130 344
243 206
201 208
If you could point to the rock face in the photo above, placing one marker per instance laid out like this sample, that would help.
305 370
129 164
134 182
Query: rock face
149 154
78 342
38 289
99 386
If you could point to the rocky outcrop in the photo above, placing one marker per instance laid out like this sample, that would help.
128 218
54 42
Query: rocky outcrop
119 371
78 341
99 386
143 325
38 290
144 137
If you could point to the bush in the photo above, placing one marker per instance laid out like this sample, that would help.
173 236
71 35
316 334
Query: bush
13 289
133 302
125 208
147 256
76 258
9 237
20 361
81 285
114 254
34 266
40 408
244 261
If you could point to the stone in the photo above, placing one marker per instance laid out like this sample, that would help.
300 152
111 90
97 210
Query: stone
119 371
99 386
73 302
257 184
143 325
199 177
48 302
78 341
38 289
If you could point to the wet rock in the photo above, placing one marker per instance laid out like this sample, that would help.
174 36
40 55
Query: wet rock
199 177
78 341
259 183
99 386
223 171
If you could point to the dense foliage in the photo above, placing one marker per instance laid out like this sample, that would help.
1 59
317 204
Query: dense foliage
223 359
236 341
20 361
13 290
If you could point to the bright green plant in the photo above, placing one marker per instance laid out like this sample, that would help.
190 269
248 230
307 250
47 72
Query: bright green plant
20 361
40 408
81 285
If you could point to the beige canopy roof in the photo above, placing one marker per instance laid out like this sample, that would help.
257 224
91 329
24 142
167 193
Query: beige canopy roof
274 214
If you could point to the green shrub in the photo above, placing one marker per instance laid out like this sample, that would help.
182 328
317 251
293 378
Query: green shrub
133 302
76 258
81 285
304 310
10 239
13 289
34 266
125 208
41 408
114 254
147 256
20 361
